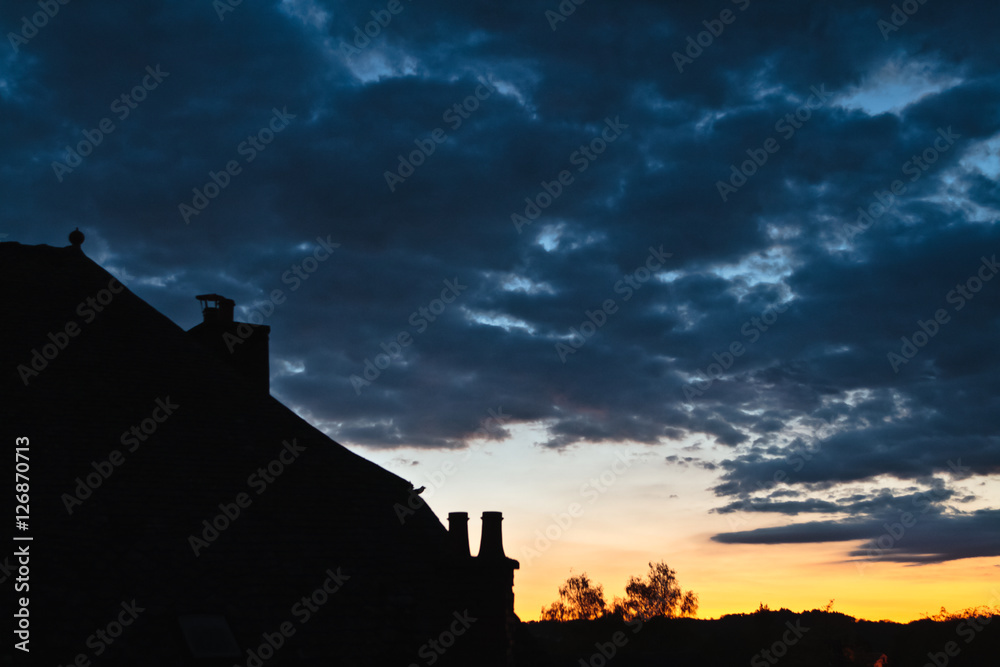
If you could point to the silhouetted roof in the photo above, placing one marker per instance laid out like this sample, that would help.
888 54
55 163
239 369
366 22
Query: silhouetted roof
329 509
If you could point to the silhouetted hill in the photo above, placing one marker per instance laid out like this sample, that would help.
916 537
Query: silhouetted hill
808 639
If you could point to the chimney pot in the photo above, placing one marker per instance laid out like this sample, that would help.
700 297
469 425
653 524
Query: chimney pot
250 357
491 544
458 530
220 310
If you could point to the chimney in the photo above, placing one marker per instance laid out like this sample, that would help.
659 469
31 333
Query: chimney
241 345
458 533
220 310
491 545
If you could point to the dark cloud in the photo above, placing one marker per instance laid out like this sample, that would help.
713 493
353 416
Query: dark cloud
938 539
912 539
814 303
813 531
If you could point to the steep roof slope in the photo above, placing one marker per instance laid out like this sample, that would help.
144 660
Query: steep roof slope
327 508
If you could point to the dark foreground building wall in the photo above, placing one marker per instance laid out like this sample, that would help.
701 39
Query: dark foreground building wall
182 516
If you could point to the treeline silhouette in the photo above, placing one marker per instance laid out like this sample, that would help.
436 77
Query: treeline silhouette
658 594
763 637
653 625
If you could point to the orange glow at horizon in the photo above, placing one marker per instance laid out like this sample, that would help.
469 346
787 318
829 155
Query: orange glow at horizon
610 509
738 578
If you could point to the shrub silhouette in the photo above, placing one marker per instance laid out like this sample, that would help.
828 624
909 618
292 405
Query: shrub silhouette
579 598
659 594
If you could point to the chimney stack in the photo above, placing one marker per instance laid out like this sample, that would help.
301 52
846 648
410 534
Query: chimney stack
241 345
484 586
491 544
221 311
458 532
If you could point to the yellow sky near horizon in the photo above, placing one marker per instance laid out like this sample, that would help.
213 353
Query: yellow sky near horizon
610 509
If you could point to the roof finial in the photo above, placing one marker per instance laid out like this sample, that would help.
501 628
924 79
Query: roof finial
76 237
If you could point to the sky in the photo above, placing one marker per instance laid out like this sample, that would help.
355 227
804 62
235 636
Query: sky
709 283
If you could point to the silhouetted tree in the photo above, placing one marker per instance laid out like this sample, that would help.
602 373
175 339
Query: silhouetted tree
579 598
557 611
657 595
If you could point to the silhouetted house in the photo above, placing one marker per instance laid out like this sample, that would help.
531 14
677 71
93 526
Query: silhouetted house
180 515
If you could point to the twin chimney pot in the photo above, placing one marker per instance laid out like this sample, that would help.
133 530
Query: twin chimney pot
490 543
243 346
484 585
